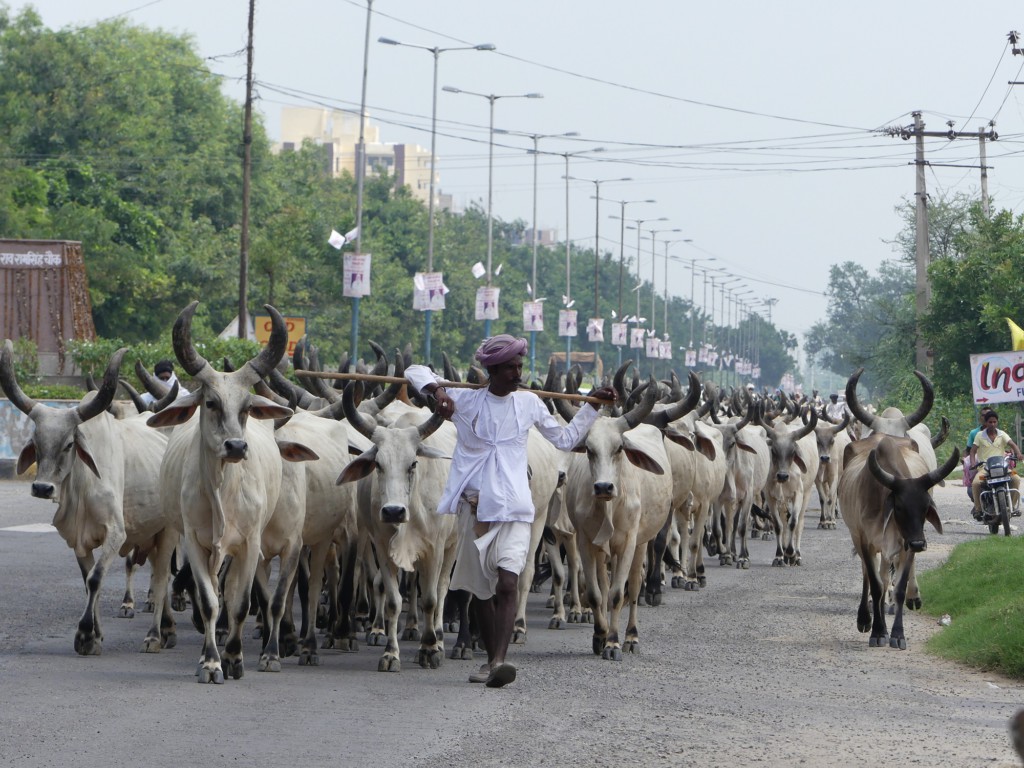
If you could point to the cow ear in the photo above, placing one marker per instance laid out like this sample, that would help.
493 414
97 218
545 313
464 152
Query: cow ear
707 447
798 460
83 452
27 457
932 516
744 446
296 451
359 467
176 413
264 408
640 459
679 438
581 448
429 452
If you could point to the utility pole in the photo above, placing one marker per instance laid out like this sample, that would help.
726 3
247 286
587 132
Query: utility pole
922 258
243 256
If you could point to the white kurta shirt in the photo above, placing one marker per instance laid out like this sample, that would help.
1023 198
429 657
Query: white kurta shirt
490 451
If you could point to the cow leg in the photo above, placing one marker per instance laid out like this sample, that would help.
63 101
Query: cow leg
526 580
270 658
318 554
463 648
206 604
913 597
879 632
896 637
238 584
127 609
695 577
863 610
431 650
741 526
617 595
412 615
162 633
632 642
776 523
656 553
343 630
389 606
89 637
576 614
559 574
595 571
676 541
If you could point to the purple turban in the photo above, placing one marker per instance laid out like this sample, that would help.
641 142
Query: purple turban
500 349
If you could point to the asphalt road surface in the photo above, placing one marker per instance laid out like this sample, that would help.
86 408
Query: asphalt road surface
763 666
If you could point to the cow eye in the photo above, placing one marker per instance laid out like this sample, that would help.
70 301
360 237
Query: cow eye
618 450
413 466
68 447
211 404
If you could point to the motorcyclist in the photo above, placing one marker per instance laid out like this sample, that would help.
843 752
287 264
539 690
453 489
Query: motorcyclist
989 442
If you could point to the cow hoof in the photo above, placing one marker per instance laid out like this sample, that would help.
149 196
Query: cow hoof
913 603
126 612
410 633
611 653
451 626
269 664
147 607
653 598
678 582
151 645
767 536
574 617
429 658
555 623
169 639
778 562
587 617
178 603
88 645
389 663
347 645
878 642
309 659
743 563
702 581
898 642
328 641
215 676
519 636
690 586
460 653
631 646
236 669
376 638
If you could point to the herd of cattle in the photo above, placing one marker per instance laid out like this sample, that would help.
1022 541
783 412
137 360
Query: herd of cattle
342 490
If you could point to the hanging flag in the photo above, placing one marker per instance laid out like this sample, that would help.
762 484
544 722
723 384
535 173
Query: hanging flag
1016 335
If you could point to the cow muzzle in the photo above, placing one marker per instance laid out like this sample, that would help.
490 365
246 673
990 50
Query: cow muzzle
825 458
43 490
782 477
393 514
917 545
235 450
604 491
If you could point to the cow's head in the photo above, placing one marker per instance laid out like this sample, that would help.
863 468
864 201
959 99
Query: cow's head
825 435
226 398
393 457
909 503
891 421
783 448
609 442
57 441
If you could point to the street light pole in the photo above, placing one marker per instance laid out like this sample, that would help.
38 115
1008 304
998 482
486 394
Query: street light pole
622 253
360 176
693 275
436 52
491 98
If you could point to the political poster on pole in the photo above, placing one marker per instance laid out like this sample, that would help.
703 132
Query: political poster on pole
665 350
533 316
636 338
595 329
620 334
567 322
428 291
487 302
691 358
653 347
356 275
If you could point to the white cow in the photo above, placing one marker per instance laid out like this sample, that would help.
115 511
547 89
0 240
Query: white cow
794 465
222 475
832 441
102 473
618 493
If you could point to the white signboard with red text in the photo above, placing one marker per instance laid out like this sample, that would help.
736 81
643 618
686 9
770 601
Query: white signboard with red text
998 377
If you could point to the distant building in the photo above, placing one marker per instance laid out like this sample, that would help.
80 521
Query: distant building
338 132
547 237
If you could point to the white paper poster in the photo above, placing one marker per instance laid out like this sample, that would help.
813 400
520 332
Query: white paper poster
428 291
356 274
702 355
620 334
567 322
487 303
691 358
533 316
636 338
665 352
653 347
595 329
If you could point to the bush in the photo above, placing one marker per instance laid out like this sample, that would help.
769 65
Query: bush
92 357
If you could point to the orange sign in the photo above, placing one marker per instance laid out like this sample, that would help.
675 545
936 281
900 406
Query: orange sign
296 330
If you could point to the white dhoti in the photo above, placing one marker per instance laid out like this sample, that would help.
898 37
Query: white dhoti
479 557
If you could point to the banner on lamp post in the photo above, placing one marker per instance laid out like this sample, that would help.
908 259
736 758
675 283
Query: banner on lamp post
595 329
533 316
620 334
487 302
636 338
653 349
567 322
356 274
428 291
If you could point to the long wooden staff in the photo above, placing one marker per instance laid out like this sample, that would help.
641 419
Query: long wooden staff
446 384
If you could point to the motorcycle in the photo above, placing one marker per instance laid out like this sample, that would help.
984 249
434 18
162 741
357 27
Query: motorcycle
998 500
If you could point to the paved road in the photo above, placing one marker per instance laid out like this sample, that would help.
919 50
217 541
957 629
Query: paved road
762 666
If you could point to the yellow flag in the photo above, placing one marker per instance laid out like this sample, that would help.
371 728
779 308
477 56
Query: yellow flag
1016 335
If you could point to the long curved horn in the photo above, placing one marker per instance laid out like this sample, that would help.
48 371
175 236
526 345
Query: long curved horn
927 401
885 478
939 474
940 438
619 380
846 422
181 338
9 382
153 385
644 407
565 409
449 370
430 426
743 421
853 403
385 398
807 428
133 393
105 394
291 392
380 368
664 417
170 397
277 345
355 418
551 381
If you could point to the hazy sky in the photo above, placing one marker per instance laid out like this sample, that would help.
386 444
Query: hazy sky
752 124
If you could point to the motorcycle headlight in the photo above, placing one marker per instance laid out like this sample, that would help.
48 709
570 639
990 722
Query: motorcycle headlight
997 471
